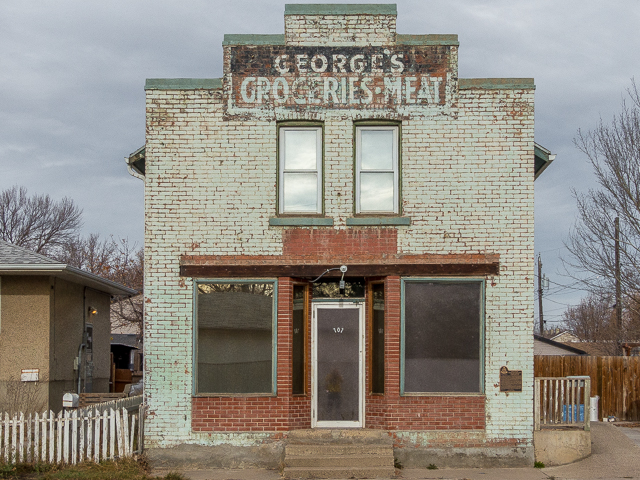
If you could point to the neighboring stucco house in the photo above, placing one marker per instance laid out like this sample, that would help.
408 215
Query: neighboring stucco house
339 234
54 327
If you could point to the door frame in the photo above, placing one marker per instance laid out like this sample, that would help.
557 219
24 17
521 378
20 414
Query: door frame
359 305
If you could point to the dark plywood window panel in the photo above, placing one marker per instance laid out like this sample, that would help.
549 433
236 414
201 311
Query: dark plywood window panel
442 336
298 340
377 338
234 341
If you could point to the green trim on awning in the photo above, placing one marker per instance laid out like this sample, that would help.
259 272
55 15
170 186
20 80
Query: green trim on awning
247 39
543 159
344 9
496 83
183 84
402 39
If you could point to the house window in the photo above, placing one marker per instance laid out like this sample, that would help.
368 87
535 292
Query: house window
300 170
235 337
442 331
377 169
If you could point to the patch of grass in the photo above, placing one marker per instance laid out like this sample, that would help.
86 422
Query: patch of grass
126 469
432 466
538 465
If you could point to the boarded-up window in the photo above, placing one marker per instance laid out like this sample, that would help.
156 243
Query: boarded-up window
442 336
297 347
377 338
235 338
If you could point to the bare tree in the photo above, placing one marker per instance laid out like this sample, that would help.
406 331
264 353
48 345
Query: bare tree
614 152
593 320
37 222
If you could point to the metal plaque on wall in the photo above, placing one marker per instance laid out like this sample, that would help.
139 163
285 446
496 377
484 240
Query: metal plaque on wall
510 380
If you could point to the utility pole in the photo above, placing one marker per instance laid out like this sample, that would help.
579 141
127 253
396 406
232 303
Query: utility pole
540 295
618 286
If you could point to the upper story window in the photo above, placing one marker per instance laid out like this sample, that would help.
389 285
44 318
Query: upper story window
300 170
377 169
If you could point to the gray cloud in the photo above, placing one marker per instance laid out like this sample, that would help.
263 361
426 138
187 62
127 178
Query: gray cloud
72 74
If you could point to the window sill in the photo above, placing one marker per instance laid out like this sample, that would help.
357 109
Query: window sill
442 394
233 395
300 221
382 221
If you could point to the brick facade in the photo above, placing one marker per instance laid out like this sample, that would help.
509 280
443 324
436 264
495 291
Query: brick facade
466 187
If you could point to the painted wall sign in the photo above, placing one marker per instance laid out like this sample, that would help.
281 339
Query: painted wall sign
267 77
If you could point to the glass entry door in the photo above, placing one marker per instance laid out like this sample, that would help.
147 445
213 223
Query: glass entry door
337 370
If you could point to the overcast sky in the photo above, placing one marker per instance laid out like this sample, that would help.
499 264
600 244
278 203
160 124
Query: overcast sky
72 74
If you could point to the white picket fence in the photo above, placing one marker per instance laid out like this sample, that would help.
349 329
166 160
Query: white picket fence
95 433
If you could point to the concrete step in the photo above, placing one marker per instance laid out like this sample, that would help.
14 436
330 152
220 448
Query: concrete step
339 472
350 461
307 449
333 453
341 436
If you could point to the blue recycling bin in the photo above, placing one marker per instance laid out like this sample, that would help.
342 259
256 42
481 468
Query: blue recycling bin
575 414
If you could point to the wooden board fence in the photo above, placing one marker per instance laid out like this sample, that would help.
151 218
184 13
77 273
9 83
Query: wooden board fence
71 437
616 380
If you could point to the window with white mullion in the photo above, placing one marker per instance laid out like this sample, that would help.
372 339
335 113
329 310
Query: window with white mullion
300 182
377 169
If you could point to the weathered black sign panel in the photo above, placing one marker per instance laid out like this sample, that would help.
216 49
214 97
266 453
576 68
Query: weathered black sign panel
510 380
268 76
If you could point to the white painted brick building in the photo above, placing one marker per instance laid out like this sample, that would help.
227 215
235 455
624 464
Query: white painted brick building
341 143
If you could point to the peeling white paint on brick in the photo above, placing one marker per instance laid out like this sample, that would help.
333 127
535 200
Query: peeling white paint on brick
210 189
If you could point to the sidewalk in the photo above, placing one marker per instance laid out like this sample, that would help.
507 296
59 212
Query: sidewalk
615 455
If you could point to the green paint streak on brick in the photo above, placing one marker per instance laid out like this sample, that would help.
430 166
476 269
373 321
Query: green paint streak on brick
336 9
300 221
382 221
241 39
427 40
183 84
496 83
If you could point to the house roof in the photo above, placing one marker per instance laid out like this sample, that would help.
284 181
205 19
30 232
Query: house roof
136 161
126 340
566 337
16 260
562 346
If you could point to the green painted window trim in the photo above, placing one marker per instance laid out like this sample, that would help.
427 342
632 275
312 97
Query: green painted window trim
377 123
300 222
483 289
274 337
303 124
381 221
344 9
